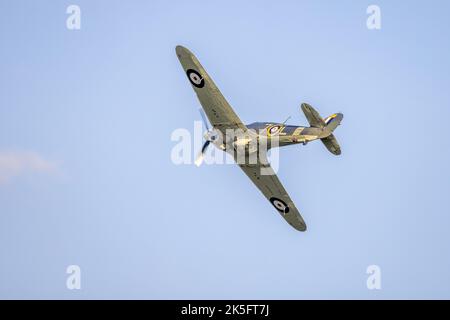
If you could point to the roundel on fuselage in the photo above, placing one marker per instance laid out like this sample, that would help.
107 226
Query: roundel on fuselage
274 129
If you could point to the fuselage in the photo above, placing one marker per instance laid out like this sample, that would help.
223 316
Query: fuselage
272 134
286 134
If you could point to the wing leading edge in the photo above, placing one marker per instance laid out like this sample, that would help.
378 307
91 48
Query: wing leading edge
217 109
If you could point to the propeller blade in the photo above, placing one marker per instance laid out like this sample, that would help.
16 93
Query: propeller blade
199 159
201 155
205 120
205 145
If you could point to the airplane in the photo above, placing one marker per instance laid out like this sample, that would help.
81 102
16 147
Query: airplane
222 118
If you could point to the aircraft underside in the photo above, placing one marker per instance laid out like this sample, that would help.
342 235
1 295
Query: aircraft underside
227 132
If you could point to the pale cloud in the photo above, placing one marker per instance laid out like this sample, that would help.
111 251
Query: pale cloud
18 163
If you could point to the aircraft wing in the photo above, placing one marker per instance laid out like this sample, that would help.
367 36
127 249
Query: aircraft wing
217 109
269 184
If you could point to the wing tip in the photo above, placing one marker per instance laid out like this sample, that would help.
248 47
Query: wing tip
180 50
299 226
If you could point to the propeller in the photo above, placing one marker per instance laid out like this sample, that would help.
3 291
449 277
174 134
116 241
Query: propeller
205 121
201 155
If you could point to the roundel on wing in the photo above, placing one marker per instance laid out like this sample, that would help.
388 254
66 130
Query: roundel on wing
195 78
280 205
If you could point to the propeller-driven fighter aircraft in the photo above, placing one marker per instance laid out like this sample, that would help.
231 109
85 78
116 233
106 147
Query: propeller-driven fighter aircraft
222 118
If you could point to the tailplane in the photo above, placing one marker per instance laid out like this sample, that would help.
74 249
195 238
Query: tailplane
332 145
328 125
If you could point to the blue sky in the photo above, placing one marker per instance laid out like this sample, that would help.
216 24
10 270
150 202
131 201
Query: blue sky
86 176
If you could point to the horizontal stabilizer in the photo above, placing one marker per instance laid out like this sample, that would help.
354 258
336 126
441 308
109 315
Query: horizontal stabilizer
332 145
313 117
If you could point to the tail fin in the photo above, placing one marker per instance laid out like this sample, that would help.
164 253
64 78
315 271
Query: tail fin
333 121
328 125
